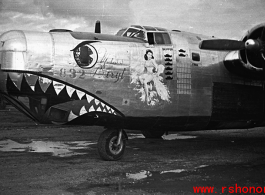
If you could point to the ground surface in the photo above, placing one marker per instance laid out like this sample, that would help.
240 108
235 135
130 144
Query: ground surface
226 160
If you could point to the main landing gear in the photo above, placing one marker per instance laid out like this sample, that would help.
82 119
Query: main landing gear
111 144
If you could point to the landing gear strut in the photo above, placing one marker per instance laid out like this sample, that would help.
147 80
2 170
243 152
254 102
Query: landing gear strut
111 144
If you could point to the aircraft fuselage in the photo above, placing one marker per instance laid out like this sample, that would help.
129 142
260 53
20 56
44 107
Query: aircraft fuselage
85 78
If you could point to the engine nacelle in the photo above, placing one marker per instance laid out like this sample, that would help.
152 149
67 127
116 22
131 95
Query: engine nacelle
247 62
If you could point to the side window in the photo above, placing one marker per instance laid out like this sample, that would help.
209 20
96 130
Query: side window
195 57
150 37
158 38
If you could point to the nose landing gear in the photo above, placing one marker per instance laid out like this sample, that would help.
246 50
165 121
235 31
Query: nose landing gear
111 144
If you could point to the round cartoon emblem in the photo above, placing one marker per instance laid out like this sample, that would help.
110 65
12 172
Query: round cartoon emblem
85 55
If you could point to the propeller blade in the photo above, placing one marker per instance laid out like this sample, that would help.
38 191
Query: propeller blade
222 45
97 27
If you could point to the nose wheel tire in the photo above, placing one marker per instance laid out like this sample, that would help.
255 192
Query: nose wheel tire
108 146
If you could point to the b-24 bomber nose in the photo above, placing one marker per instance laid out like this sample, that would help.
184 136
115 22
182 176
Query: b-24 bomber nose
13 50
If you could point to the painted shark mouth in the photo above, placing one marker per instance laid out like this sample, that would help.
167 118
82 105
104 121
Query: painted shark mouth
54 101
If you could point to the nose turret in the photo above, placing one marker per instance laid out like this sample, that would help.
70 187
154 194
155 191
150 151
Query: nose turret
26 51
13 49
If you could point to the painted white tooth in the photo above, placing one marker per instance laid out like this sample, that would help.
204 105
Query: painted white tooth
97 101
45 80
58 87
103 105
83 111
107 107
89 98
80 94
99 109
72 116
56 83
31 80
44 83
70 90
104 110
91 109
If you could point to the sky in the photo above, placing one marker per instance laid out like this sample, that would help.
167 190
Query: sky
220 18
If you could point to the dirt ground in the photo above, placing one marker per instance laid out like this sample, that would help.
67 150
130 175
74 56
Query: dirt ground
226 160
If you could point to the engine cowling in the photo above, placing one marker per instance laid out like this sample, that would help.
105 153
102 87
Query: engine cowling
248 62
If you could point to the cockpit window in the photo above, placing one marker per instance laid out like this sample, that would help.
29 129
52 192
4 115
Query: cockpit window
120 32
134 33
154 36
139 34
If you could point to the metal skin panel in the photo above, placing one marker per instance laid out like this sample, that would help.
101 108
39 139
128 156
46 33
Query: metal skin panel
39 51
64 80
